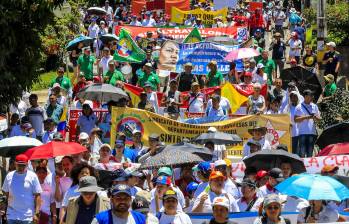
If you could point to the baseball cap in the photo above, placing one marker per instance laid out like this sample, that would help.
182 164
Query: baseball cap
121 188
119 175
119 143
203 167
249 182
331 44
56 85
165 171
260 65
164 180
329 77
261 174
22 159
154 136
220 162
191 187
308 92
105 145
248 74
277 174
221 201
216 174
83 136
148 65
88 184
329 168
293 61
271 198
147 84
170 194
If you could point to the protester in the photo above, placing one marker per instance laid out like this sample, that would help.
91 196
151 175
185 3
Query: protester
214 77
310 60
220 211
258 134
330 87
269 66
196 99
278 48
22 190
186 78
275 177
332 60
249 200
256 102
36 115
295 47
85 64
83 208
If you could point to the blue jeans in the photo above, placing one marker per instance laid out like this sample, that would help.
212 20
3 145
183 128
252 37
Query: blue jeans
295 145
306 145
11 221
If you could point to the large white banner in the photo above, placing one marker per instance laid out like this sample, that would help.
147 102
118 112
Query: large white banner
313 165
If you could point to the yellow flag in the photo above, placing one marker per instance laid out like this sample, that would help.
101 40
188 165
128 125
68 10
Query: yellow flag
235 98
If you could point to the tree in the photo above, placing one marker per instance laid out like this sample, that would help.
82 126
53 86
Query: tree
21 23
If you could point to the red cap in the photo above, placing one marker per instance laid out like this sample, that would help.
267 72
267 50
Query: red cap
293 61
216 174
22 159
248 74
261 174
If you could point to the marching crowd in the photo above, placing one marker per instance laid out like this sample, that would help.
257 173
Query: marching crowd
69 189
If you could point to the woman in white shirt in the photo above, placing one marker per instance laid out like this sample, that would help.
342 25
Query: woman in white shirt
260 76
295 47
152 97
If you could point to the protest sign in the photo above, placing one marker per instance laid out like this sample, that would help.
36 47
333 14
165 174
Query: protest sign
181 33
207 17
74 115
170 131
200 54
313 165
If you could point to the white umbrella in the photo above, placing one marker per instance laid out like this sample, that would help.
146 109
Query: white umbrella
96 10
16 145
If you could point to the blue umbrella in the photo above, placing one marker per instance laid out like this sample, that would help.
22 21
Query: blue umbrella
314 187
80 39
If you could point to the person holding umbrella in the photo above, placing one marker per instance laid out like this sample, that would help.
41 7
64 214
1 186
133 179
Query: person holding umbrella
318 212
272 207
258 134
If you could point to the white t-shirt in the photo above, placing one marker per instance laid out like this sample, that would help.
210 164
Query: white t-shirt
295 44
93 30
104 63
36 116
231 188
179 218
19 109
307 127
260 79
196 104
224 104
243 205
207 207
21 189
47 198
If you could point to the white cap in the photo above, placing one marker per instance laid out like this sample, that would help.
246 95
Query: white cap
56 85
212 129
83 136
221 201
58 159
220 162
331 44
136 131
260 65
105 146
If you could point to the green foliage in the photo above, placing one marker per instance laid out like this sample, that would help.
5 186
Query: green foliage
21 23
310 15
45 79
335 110
338 22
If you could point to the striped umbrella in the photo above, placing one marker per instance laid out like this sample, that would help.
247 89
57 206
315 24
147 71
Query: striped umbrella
241 53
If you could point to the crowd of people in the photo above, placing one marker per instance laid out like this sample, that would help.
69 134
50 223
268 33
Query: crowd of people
69 189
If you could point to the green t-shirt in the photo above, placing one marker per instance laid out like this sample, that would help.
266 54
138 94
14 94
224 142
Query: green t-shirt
269 67
152 78
214 80
63 81
115 76
330 89
86 65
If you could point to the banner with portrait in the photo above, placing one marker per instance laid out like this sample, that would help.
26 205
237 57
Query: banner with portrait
170 131
235 32
207 17
173 56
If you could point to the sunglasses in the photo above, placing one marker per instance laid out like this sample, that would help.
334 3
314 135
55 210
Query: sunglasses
273 207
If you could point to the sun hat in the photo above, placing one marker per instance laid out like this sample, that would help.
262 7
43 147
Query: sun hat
88 184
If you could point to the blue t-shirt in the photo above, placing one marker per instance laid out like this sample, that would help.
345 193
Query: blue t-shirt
300 31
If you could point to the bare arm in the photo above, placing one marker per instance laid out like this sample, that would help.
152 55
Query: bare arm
299 119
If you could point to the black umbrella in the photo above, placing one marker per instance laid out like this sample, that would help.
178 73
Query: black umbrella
333 134
219 138
203 152
343 179
108 38
102 93
303 78
268 159
172 158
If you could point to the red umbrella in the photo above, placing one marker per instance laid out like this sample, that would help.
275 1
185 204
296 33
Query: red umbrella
335 149
53 149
